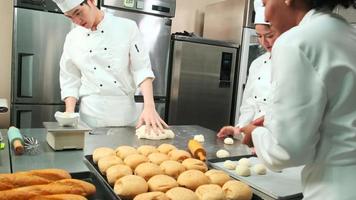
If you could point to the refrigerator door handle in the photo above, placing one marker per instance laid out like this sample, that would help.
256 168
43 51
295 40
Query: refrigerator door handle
225 70
25 74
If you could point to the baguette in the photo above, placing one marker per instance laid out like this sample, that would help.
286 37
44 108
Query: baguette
59 197
33 177
65 186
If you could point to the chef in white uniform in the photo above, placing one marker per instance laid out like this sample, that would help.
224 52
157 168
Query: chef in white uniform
103 62
256 93
311 119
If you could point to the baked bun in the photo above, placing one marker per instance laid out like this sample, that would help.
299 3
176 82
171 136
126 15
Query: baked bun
147 170
135 159
192 179
59 197
217 177
166 148
161 183
124 151
237 190
181 193
192 163
116 172
102 152
147 150
129 186
158 158
151 196
108 161
172 168
179 155
210 192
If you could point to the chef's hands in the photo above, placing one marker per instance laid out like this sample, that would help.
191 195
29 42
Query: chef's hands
247 130
227 131
152 120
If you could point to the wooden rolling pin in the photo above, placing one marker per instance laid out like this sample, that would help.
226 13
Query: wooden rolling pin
16 140
197 150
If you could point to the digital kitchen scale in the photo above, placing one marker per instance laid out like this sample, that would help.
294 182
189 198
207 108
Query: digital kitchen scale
61 138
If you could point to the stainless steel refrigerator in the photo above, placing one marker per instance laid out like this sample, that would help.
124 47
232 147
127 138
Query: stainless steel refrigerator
39 34
202 83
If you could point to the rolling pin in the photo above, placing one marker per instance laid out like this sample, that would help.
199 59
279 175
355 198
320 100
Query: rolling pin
197 150
16 140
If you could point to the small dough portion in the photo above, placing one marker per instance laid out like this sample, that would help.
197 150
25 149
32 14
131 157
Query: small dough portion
116 172
228 164
124 151
141 133
158 158
147 150
236 190
218 177
192 163
210 192
129 186
200 138
245 161
147 170
228 141
166 148
172 168
243 170
192 179
102 152
134 160
222 153
151 196
260 169
179 155
161 183
108 161
181 193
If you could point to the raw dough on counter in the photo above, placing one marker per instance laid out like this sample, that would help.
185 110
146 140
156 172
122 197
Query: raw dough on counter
147 150
147 170
108 161
210 192
192 179
200 138
180 193
228 141
116 172
143 134
134 160
102 152
237 190
228 164
161 183
124 151
245 161
260 169
192 163
129 186
222 153
166 148
172 168
243 170
217 177
151 196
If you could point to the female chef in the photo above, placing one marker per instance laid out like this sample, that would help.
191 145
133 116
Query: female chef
311 119
258 85
102 64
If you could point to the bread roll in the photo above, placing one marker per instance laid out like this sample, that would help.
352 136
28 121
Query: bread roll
151 196
192 179
236 190
158 158
102 152
108 161
180 193
242 170
210 192
147 170
147 150
217 177
129 186
124 151
33 177
59 197
192 163
172 168
116 172
179 155
161 183
135 159
166 148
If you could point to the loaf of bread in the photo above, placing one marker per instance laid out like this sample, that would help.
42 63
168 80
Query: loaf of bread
59 197
33 177
65 186
238 190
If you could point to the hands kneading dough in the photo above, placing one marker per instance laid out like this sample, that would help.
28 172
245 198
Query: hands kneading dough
151 135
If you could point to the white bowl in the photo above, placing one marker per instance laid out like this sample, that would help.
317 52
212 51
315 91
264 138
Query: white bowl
67 119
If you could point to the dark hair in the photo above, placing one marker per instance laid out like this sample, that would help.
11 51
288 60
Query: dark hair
331 4
84 2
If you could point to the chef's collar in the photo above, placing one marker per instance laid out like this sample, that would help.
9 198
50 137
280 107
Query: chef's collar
103 24
312 13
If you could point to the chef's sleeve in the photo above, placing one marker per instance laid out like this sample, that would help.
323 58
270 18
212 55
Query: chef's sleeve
298 100
139 57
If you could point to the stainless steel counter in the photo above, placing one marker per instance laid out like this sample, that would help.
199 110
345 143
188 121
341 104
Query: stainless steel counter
4 154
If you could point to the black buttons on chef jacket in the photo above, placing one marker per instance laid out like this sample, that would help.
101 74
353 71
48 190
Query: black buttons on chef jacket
105 48
264 99
88 34
109 66
255 97
90 51
94 68
102 31
115 81
265 61
101 85
259 78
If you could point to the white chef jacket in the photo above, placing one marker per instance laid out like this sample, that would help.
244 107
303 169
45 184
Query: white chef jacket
103 68
256 93
312 116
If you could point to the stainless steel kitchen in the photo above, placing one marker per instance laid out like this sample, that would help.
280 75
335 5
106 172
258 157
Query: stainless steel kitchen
177 99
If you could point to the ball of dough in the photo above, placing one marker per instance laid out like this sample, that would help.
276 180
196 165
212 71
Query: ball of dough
129 186
222 153
228 164
199 138
245 161
147 170
260 169
102 152
161 183
179 155
147 150
108 161
166 148
151 196
243 170
192 163
151 135
181 193
116 172
228 140
124 151
192 179
172 168
210 192
135 159
237 190
217 177
158 158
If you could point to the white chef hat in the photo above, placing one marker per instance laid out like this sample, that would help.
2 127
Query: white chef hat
67 5
260 13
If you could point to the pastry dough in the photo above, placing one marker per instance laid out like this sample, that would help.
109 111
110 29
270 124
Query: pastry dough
166 148
158 158
200 138
236 190
116 172
181 193
102 152
243 170
147 150
245 161
210 192
134 160
228 141
147 170
192 163
108 161
222 153
228 164
151 196
124 151
179 155
172 168
192 179
151 135
217 177
161 183
260 169
129 186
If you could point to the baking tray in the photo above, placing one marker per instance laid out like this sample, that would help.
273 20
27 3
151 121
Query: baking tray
285 185
102 191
